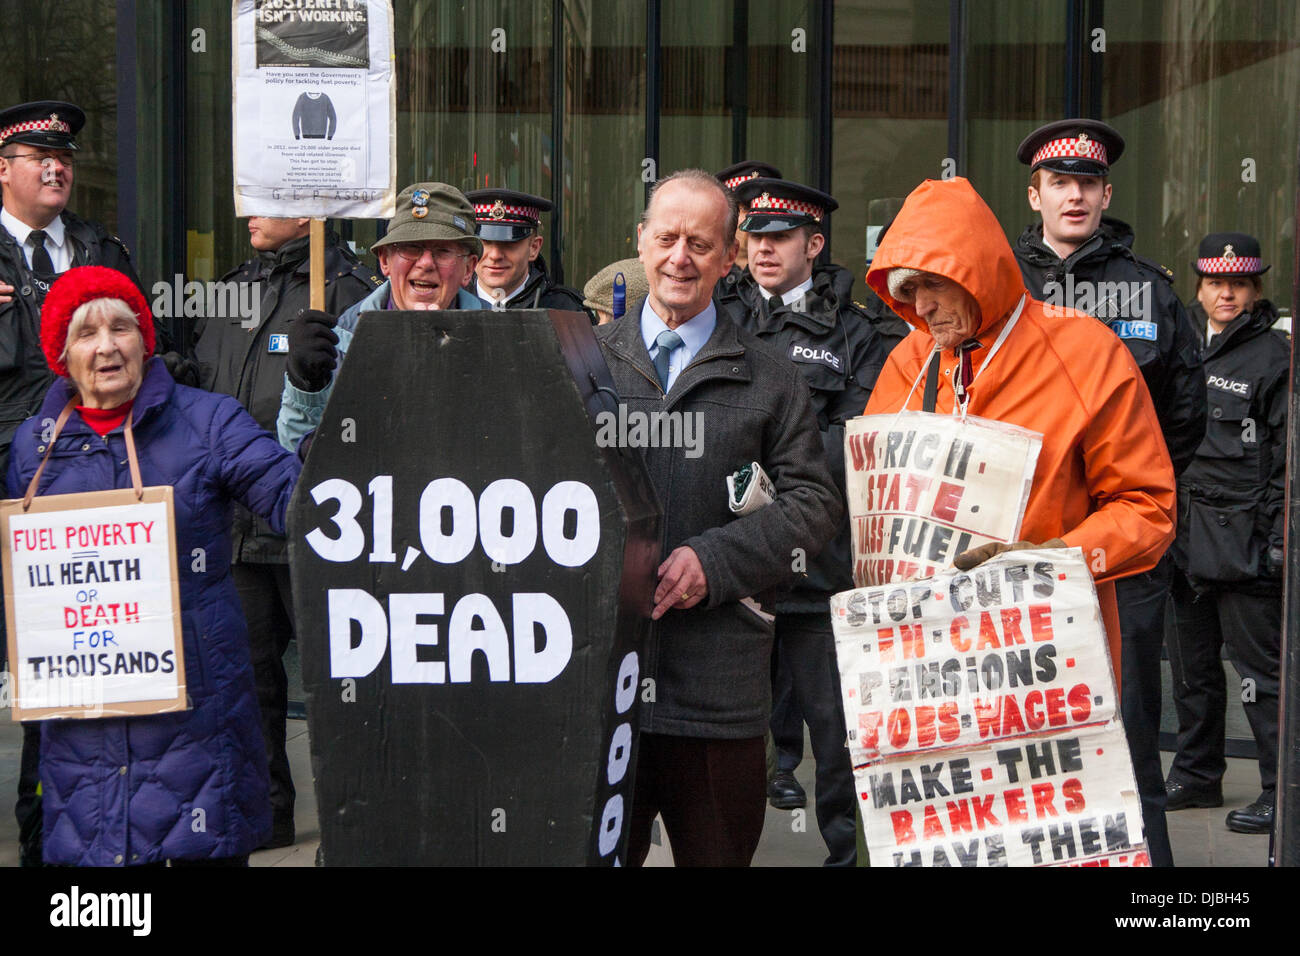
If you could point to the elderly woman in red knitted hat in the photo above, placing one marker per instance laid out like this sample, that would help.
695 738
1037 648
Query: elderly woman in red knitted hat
188 786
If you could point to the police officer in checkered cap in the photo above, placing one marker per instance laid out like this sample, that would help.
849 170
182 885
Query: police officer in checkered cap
1075 256
733 177
1231 527
511 272
807 313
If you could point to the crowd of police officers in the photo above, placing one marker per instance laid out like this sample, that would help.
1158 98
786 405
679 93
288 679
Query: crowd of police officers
1217 372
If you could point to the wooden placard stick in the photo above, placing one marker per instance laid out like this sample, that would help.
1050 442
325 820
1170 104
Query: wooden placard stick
317 235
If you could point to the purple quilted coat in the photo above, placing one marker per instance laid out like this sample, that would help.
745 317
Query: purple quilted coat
190 785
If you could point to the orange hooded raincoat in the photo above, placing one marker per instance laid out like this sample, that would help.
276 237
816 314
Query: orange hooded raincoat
1104 482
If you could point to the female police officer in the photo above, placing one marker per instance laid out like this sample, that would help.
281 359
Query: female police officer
1228 588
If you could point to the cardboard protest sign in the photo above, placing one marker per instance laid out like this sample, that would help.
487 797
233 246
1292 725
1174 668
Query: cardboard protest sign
1055 799
92 604
1013 647
922 488
472 579
982 718
314 109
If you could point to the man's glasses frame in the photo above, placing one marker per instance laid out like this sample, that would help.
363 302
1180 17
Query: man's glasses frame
413 251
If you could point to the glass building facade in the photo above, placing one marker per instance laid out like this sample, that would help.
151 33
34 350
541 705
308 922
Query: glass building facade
591 99
587 101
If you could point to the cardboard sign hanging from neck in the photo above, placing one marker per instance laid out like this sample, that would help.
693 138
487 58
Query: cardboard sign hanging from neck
923 488
92 600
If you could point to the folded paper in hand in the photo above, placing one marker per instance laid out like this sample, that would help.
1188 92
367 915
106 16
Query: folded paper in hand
749 489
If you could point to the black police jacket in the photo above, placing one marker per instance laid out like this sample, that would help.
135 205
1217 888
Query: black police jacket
1230 498
1135 297
250 363
539 292
888 325
24 374
832 341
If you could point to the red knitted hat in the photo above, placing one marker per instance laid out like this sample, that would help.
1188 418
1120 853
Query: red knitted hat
74 289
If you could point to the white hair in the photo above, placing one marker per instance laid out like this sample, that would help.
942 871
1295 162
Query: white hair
896 279
104 308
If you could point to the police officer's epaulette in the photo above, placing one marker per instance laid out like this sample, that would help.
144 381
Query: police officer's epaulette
1166 273
114 239
363 272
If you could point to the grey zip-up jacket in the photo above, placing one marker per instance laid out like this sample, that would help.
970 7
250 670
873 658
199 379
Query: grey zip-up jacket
710 664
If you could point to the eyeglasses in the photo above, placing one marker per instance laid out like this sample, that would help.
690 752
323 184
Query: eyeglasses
68 162
411 251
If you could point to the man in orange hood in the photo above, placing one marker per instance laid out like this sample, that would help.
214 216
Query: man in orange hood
1103 482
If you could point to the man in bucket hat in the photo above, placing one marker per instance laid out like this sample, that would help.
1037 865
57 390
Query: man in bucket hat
428 256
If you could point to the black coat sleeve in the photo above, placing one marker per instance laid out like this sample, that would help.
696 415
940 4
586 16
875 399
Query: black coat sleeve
1181 408
1273 507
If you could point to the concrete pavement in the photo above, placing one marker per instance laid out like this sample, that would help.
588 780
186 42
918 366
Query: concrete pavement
790 838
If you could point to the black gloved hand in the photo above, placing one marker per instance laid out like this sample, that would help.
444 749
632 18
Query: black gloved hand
1274 562
312 353
182 370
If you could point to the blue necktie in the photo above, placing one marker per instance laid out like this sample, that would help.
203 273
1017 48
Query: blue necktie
666 343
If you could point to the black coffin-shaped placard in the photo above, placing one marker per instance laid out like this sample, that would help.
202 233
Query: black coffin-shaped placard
472 578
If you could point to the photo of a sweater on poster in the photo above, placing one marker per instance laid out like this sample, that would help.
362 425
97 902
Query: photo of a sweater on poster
314 117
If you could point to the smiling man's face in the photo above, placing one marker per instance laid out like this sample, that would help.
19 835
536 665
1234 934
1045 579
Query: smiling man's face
35 182
1071 207
686 248
426 275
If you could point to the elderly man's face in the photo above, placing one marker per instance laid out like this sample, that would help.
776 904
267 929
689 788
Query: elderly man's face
951 312
426 275
685 248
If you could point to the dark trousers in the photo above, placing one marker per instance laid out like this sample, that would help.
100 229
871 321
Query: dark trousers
787 720
1250 626
27 809
807 649
1142 600
712 795
268 608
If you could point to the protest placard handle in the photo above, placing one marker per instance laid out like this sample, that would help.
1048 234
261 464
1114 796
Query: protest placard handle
134 462
316 254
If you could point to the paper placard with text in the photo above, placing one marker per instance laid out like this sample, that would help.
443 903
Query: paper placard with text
92 604
1057 799
314 109
1013 647
922 488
